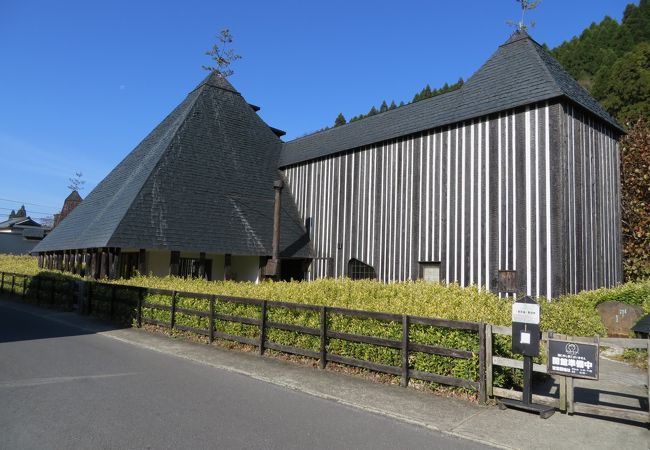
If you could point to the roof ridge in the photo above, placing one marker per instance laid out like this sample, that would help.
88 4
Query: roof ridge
547 71
407 105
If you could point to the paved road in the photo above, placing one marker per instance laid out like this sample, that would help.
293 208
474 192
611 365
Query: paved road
62 388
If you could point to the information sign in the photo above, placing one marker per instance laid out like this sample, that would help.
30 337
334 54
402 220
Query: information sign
573 359
525 313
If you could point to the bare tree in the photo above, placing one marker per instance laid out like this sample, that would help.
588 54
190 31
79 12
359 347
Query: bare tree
222 55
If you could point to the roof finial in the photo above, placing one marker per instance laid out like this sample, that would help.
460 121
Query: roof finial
526 5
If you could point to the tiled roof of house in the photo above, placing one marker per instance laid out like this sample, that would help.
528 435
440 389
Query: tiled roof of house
519 73
202 180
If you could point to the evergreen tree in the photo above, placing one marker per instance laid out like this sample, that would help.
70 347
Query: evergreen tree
373 111
401 103
12 214
383 107
392 105
340 120
21 212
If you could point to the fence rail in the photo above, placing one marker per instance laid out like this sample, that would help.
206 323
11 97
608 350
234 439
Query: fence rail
566 401
129 303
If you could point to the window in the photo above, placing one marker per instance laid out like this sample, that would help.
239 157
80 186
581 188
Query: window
430 271
358 270
192 268
507 282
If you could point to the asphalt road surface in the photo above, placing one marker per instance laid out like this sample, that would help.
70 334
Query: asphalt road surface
62 388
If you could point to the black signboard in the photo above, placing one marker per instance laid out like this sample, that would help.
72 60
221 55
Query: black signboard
573 359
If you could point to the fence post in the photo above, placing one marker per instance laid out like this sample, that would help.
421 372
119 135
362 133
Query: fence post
482 380
90 297
648 383
263 327
71 289
13 283
24 287
404 382
38 290
112 304
139 312
172 319
489 374
323 337
52 291
211 329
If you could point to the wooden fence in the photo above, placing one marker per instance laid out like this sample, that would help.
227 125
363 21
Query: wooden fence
128 304
566 401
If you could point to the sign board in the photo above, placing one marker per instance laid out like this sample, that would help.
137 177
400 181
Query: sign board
525 313
525 327
573 359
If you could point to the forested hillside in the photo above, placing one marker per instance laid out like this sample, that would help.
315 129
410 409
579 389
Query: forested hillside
612 61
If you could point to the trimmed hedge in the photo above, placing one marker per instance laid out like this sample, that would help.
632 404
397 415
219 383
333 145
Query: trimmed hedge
570 314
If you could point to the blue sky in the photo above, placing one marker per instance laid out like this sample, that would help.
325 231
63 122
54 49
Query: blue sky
83 82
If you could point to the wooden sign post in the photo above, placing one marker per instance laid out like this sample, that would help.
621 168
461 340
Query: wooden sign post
525 341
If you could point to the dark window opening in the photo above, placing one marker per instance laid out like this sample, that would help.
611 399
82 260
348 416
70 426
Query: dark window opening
507 282
358 270
195 268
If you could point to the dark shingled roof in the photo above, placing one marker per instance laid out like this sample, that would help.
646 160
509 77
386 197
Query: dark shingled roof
202 180
519 73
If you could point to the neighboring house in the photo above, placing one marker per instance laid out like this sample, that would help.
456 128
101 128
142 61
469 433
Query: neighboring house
510 182
70 203
18 236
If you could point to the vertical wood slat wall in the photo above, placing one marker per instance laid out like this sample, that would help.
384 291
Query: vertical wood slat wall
478 197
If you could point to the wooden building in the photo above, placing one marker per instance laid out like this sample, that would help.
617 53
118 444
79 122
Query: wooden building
510 183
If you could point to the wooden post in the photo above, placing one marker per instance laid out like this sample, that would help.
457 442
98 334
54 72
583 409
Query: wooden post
263 327
40 260
211 330
13 283
116 263
172 319
66 261
52 291
93 263
404 382
227 261
112 305
174 263
111 264
489 374
90 298
648 381
24 287
202 265
482 378
142 262
323 337
103 264
141 293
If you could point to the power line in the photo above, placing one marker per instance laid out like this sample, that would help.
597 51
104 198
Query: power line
34 212
27 203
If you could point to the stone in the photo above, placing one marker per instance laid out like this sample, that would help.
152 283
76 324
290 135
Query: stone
619 318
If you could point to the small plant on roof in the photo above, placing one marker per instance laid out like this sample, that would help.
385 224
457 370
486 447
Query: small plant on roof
222 55
526 5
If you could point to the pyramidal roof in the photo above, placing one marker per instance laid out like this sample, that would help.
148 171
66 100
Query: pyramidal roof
519 73
202 180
